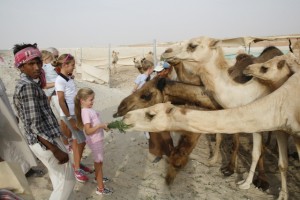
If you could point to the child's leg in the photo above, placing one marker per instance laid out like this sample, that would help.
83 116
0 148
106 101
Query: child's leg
99 175
77 152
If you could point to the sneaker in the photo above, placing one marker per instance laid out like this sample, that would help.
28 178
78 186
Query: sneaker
86 169
80 176
105 191
104 179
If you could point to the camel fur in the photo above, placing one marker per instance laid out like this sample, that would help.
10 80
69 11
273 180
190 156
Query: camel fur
203 57
279 110
160 90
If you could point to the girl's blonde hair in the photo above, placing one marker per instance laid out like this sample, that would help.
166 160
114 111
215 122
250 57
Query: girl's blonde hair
82 94
63 59
46 55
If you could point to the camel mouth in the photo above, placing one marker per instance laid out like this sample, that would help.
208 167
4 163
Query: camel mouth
125 121
247 72
116 115
170 53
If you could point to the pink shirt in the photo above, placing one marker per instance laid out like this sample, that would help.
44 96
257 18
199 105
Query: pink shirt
90 116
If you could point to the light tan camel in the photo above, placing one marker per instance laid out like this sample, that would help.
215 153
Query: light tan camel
160 90
236 73
204 57
275 73
279 110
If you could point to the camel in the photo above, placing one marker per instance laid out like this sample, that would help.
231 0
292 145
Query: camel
115 59
279 110
275 72
160 90
140 63
243 60
203 57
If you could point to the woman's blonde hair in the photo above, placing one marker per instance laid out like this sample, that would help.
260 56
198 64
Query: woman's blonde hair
46 55
82 94
63 59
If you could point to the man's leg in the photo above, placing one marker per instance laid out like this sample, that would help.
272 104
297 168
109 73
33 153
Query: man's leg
61 176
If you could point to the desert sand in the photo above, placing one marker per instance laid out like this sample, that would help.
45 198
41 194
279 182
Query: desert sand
129 164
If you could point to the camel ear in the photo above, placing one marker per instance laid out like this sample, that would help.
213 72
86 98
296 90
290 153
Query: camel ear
161 83
214 43
169 109
281 64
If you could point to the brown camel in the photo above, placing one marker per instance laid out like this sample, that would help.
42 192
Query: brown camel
193 68
160 90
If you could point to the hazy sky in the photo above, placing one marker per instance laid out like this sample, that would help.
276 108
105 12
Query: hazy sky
96 23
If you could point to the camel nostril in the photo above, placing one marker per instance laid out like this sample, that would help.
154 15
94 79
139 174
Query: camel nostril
177 166
116 115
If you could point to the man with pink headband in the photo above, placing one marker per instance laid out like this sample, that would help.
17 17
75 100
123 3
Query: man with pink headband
41 127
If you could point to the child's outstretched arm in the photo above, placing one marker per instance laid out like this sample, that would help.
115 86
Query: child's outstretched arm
89 130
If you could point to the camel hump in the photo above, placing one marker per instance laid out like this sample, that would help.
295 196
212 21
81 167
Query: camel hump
267 54
242 56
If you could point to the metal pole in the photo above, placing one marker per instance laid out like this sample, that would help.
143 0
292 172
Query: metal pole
154 52
81 55
109 67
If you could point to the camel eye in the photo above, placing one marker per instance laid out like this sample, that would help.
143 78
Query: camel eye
191 47
263 70
149 116
146 97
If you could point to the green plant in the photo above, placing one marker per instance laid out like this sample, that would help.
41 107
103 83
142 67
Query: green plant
118 124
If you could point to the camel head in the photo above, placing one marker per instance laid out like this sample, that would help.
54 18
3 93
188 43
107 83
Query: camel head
141 119
142 63
271 71
196 49
148 95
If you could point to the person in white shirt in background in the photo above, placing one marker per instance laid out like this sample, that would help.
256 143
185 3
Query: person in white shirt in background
146 70
51 74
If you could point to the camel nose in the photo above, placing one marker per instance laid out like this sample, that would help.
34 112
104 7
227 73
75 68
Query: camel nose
169 50
116 115
247 71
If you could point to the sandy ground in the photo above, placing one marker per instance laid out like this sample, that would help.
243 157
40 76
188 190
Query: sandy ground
133 175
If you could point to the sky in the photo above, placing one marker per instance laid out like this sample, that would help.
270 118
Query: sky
98 23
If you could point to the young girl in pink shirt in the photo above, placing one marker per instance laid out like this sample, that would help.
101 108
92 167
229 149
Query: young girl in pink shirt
89 120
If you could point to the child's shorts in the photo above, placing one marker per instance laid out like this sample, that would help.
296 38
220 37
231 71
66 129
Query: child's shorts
76 134
97 150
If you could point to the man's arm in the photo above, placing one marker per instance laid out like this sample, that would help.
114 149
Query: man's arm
60 155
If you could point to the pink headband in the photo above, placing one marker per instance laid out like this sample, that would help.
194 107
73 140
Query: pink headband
26 55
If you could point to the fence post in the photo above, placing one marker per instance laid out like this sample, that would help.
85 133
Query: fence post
109 67
154 52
